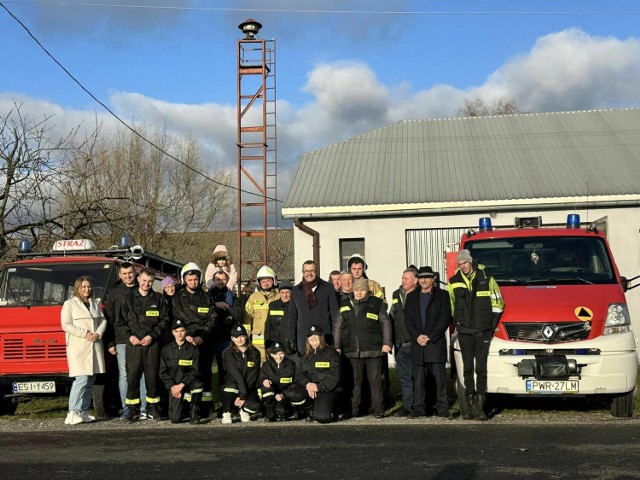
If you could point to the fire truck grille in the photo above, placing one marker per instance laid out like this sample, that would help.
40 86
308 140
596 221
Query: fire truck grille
548 332
18 349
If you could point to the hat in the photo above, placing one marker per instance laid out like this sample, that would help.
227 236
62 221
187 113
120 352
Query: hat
361 284
464 256
426 272
314 330
178 324
276 347
285 285
238 330
168 280
356 258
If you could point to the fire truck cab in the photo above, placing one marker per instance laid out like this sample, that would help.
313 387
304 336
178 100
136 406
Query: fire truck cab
32 290
566 328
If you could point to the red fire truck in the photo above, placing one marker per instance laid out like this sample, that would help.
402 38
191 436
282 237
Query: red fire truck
32 290
566 328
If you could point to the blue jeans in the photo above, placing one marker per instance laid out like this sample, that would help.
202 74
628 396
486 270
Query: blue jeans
405 375
81 391
122 378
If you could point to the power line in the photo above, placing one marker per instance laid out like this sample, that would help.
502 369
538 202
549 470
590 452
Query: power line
319 11
129 127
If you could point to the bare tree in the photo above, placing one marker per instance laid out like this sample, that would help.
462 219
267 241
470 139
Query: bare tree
476 107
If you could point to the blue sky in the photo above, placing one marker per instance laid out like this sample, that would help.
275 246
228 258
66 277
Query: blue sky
345 68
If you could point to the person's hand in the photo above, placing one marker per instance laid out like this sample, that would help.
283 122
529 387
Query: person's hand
112 350
279 397
238 402
312 389
386 349
134 340
422 340
267 383
197 341
222 305
146 341
176 390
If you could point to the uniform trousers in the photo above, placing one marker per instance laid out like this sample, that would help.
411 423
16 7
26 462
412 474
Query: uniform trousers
142 359
475 351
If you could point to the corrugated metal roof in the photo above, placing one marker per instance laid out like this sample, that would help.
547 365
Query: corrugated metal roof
471 159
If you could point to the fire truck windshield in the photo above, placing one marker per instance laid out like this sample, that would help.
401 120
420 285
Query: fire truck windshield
544 260
46 284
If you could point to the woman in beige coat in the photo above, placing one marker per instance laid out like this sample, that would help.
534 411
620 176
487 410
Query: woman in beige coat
84 324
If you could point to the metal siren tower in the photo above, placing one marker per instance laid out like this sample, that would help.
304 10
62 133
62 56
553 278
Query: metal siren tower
257 147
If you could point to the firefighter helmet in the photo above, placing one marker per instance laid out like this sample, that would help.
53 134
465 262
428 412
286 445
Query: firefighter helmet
190 268
266 272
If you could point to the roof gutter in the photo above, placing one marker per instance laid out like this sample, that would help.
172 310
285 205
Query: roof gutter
316 240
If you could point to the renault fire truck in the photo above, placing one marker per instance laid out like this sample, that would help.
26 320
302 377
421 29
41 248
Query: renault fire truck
32 290
565 330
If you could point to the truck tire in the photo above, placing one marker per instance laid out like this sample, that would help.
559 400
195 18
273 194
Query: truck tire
7 405
622 405
462 399
106 396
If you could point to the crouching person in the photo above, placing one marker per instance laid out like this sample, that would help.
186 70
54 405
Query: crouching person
242 366
319 373
179 371
279 394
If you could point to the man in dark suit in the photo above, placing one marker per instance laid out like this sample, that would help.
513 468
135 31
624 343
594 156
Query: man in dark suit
427 316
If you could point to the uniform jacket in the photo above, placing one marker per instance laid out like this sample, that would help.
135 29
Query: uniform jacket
321 367
112 309
436 325
256 311
277 326
281 375
197 310
363 326
179 364
476 302
83 357
143 315
396 312
225 318
301 317
243 369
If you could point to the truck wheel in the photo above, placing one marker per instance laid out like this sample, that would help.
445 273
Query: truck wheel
622 405
106 396
7 405
462 399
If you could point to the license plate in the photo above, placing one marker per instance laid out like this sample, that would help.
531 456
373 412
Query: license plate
552 386
34 387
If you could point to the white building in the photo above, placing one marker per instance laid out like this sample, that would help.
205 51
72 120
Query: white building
402 193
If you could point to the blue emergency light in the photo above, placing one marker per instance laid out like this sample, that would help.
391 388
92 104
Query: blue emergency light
125 241
573 220
25 246
485 224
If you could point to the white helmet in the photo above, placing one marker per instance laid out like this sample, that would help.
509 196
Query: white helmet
266 272
190 269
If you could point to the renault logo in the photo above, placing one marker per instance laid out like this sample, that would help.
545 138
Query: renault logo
547 332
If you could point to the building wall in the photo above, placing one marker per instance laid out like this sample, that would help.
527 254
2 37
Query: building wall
385 242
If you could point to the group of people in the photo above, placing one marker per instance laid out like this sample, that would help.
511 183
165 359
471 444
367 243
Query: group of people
311 350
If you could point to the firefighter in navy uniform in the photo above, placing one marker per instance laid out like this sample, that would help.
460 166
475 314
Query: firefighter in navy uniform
179 371
279 392
477 305
276 326
197 310
364 335
143 321
242 366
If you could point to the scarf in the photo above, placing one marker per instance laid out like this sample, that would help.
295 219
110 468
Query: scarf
309 294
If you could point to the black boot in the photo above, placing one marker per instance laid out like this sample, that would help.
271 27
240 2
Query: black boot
194 409
134 413
471 407
270 415
153 412
481 399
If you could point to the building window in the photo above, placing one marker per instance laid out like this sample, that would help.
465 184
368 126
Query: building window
349 246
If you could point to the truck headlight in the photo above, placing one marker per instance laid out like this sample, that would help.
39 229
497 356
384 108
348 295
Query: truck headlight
618 320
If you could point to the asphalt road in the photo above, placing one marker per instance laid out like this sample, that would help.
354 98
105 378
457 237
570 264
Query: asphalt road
441 450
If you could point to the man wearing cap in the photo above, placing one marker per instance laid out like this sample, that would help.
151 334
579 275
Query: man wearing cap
402 339
276 328
179 371
197 310
477 306
427 318
279 392
358 269
313 302
364 336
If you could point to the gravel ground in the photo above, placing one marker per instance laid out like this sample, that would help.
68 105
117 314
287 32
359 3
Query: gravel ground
525 418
